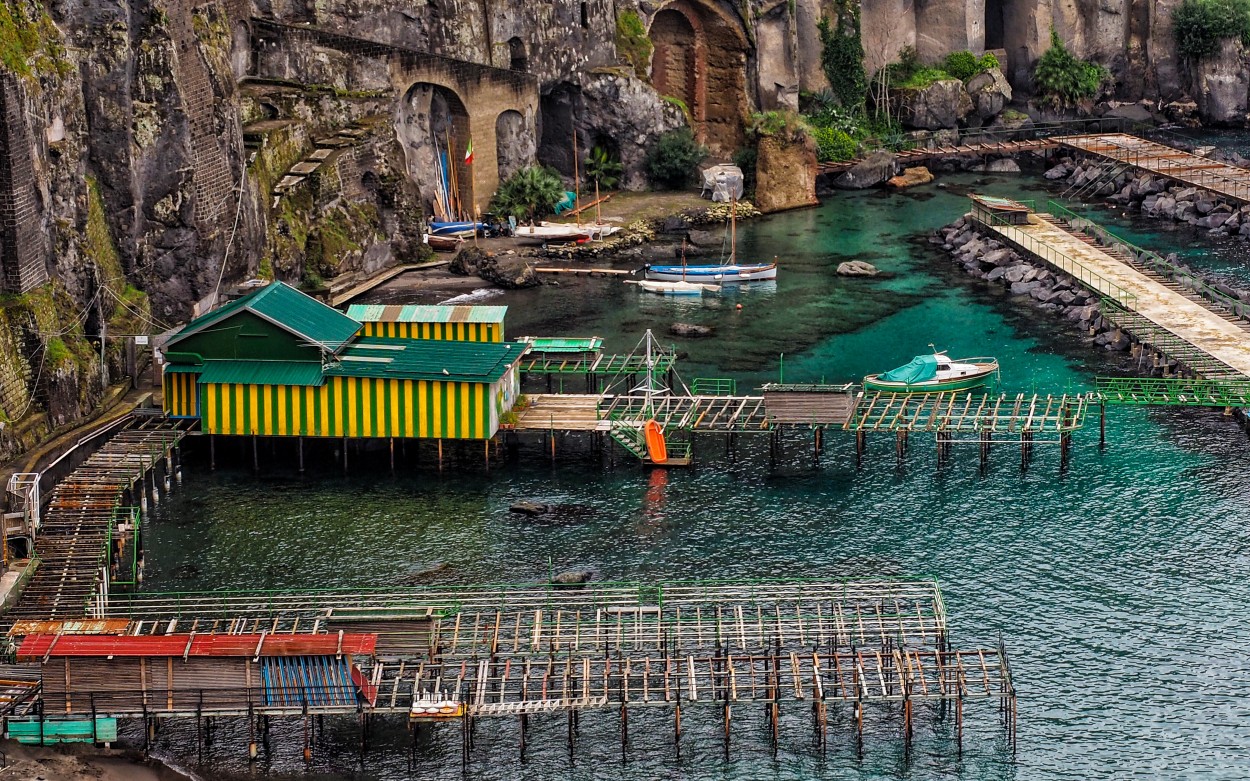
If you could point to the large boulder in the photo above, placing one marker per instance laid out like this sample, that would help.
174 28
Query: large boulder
1011 125
990 93
785 173
510 271
942 104
911 177
857 268
869 172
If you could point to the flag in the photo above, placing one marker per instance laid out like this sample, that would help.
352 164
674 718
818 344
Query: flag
468 153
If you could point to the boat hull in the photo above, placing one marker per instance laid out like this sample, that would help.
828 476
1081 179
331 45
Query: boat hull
464 228
949 385
674 288
714 273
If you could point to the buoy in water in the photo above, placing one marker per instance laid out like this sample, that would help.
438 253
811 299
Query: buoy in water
739 306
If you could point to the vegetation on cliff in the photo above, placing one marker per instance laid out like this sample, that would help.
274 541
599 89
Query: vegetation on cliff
632 42
842 55
1200 26
30 42
1064 80
673 159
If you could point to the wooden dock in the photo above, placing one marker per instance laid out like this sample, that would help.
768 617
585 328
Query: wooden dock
518 651
980 149
1222 179
87 518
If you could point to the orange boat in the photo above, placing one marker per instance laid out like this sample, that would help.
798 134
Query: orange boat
656 448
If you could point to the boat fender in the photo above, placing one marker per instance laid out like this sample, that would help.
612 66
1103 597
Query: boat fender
739 306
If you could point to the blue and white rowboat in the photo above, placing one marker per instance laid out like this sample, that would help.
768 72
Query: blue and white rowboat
463 228
722 274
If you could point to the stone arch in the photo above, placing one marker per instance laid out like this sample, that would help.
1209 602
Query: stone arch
514 143
433 129
518 60
700 58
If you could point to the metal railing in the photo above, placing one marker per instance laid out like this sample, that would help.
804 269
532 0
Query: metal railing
714 386
1055 256
1151 261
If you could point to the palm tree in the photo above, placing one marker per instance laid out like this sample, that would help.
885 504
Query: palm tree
602 167
528 193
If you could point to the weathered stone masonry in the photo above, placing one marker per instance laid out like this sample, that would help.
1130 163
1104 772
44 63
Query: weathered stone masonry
23 249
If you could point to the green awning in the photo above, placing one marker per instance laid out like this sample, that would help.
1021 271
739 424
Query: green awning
183 368
262 373
420 313
562 344
425 359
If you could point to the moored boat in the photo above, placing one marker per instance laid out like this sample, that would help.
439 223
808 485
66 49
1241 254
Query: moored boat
443 243
722 273
934 373
549 234
678 288
458 228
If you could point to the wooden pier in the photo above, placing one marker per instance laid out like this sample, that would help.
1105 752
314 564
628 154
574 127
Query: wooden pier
87 520
1120 149
518 651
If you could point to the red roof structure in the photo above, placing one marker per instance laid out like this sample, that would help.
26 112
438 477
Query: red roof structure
36 647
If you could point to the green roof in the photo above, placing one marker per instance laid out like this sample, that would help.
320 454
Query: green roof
262 372
379 313
287 308
183 368
424 359
562 344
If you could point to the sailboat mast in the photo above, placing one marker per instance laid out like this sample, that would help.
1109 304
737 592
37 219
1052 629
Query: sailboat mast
577 182
733 230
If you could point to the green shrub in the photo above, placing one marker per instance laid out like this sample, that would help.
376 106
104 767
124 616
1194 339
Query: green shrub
672 161
834 145
1062 79
632 42
1200 25
842 56
746 158
529 193
604 167
964 65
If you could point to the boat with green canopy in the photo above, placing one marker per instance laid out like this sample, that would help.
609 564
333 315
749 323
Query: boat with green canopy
934 373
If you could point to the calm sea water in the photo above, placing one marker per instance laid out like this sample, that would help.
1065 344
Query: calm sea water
1121 587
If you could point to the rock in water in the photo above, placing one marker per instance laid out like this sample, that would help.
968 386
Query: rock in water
467 261
857 268
702 238
690 329
869 172
505 271
572 577
529 508
911 177
1002 166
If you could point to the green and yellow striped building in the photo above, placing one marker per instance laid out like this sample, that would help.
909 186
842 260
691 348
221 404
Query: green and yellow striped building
278 363
452 323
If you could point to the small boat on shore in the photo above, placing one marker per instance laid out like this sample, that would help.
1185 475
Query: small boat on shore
934 373
550 234
443 243
459 228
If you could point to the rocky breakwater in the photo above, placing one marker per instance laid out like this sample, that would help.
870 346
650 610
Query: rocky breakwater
991 260
1158 196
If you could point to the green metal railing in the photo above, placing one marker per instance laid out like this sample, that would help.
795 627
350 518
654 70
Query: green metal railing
1148 332
898 142
1151 260
1055 256
1154 391
714 386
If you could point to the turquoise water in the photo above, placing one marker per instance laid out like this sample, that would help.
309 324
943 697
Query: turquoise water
1119 587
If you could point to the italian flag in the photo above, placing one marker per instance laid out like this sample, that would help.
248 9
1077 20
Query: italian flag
468 153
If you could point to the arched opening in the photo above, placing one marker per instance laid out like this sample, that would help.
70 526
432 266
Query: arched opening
699 58
995 29
673 66
555 146
433 129
516 53
514 144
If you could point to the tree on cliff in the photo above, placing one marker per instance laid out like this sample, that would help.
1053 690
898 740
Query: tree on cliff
1200 26
842 56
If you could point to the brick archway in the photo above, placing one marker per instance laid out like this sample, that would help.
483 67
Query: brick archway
434 131
700 58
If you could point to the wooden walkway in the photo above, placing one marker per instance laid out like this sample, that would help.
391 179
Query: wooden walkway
985 149
515 651
83 519
1223 342
979 415
1216 177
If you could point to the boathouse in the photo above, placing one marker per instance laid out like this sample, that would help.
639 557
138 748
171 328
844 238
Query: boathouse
184 673
279 363
451 323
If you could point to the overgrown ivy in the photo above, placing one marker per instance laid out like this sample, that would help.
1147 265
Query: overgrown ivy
632 42
1200 26
842 55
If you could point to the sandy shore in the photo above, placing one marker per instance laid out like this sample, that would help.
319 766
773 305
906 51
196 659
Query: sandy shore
80 763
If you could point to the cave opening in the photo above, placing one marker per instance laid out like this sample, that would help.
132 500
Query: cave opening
556 118
518 61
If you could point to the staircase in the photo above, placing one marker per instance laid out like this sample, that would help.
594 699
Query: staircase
628 434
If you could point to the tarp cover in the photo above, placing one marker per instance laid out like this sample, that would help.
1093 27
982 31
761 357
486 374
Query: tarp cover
723 182
921 368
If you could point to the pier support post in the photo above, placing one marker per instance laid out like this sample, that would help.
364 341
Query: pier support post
440 454
300 449
624 731
344 455
255 454
524 725
1102 425
726 715
212 452
861 444
677 724
392 443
